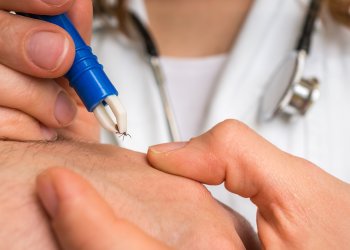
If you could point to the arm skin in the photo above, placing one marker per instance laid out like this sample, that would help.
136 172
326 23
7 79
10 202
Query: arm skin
65 196
300 206
172 209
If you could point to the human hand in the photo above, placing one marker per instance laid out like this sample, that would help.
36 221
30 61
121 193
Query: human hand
174 210
32 53
81 219
299 205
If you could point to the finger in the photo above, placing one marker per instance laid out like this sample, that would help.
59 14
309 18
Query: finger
81 16
43 7
42 99
81 218
18 126
248 164
34 47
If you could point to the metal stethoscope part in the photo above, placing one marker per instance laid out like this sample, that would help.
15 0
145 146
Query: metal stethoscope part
287 93
153 57
289 96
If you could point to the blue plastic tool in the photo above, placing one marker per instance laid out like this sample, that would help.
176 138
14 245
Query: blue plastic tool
89 80
86 75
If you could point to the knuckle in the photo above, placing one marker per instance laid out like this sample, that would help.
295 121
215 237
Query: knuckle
228 128
232 125
227 134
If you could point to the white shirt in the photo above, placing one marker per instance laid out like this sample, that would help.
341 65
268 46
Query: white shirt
267 37
190 83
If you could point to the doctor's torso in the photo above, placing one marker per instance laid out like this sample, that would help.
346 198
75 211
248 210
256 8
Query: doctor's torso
268 35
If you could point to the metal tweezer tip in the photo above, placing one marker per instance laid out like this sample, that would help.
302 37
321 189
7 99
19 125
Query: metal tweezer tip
116 124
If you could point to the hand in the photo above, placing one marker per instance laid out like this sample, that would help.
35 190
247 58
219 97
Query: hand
81 219
32 52
174 210
299 205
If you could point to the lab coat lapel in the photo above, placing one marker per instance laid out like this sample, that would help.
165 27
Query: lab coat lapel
137 88
137 91
266 38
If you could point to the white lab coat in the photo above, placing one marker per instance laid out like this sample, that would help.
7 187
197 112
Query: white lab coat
269 34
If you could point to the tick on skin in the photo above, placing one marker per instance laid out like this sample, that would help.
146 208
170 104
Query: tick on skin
121 134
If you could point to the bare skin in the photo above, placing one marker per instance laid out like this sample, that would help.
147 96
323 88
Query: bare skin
196 28
33 106
172 209
38 109
299 205
31 112
65 196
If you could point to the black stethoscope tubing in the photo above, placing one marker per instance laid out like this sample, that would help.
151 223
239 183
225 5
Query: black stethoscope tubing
303 47
305 39
304 42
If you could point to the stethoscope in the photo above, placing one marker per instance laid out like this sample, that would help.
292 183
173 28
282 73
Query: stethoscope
287 92
153 58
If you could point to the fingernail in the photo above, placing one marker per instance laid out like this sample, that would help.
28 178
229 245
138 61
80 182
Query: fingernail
65 109
47 194
49 134
55 2
167 147
47 50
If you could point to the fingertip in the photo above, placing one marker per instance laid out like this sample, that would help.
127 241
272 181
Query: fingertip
58 188
66 61
81 219
188 159
48 50
47 193
65 109
48 134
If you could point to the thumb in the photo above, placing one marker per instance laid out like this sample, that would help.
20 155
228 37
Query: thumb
247 164
81 219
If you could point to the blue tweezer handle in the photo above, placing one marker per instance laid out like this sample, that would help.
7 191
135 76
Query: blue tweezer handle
86 75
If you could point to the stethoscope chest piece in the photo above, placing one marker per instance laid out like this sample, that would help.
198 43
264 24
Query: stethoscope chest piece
288 93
